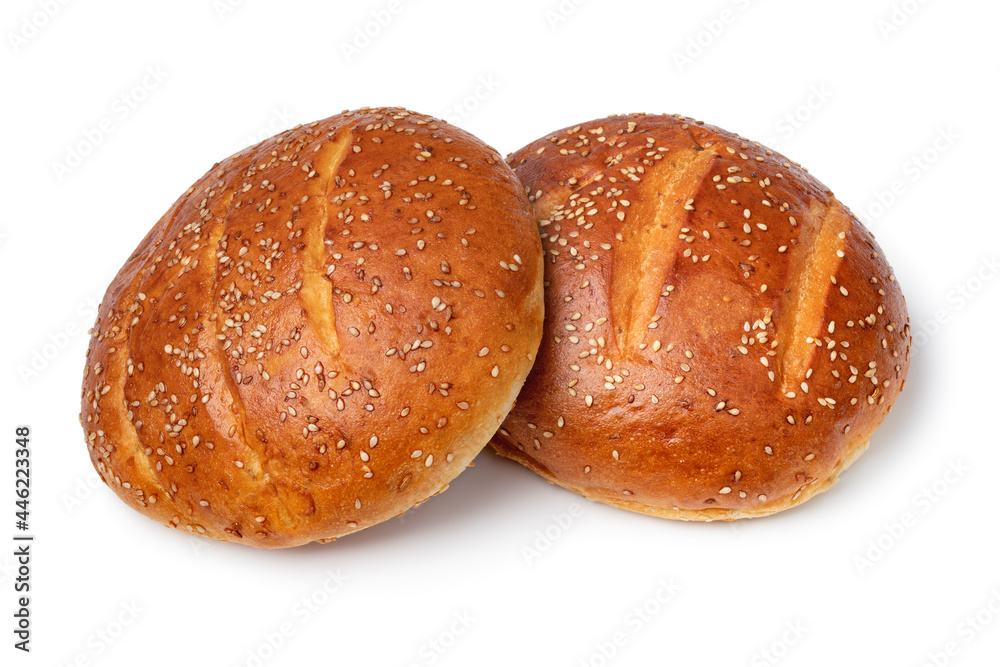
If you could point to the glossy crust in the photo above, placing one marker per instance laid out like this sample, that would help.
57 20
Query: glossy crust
722 336
321 333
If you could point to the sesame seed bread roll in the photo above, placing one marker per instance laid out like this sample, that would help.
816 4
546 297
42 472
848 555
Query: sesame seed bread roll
322 332
722 336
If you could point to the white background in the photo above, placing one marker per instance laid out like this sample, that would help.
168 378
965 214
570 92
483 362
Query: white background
871 95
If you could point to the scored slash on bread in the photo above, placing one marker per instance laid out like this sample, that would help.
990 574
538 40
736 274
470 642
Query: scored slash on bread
322 332
722 336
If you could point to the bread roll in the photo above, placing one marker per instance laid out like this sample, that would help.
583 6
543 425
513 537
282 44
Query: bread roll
722 336
322 332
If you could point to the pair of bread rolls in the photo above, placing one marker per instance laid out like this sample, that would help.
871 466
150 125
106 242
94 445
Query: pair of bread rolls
327 327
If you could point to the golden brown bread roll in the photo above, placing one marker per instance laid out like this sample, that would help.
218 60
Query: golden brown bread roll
722 336
321 332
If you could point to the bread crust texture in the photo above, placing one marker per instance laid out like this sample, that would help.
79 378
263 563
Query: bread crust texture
321 333
722 335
